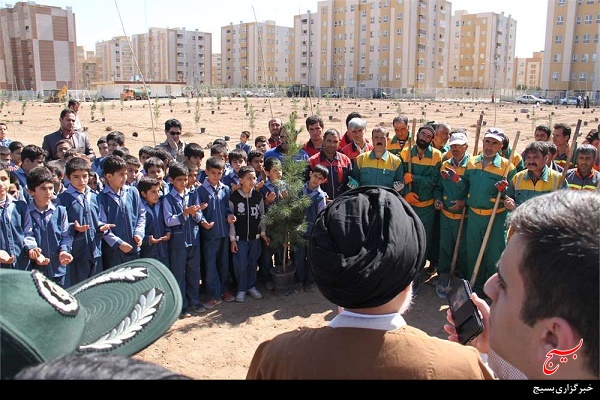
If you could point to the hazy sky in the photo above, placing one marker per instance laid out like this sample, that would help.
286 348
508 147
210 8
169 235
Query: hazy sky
99 20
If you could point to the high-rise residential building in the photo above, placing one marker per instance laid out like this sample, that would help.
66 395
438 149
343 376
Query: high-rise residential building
114 60
528 71
572 47
359 46
37 47
256 54
482 51
215 78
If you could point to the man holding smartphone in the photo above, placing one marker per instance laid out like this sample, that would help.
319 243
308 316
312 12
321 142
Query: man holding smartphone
545 299
365 250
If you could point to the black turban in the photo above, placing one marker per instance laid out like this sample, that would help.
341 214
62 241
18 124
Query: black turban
366 247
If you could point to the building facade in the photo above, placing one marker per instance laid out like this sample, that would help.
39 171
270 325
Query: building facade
37 48
528 71
572 48
256 54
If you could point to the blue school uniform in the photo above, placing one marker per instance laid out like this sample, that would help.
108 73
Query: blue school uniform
87 246
22 178
184 245
270 253
155 227
16 236
215 241
52 235
126 212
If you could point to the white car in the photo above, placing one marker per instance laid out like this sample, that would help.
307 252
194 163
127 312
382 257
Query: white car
247 93
531 99
569 101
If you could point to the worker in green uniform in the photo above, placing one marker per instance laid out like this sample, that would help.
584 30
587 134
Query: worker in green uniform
421 183
485 178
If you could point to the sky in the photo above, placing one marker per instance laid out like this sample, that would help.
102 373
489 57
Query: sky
100 20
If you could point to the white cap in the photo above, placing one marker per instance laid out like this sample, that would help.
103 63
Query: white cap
495 133
457 138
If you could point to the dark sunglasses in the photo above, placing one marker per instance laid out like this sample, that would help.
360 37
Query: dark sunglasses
175 133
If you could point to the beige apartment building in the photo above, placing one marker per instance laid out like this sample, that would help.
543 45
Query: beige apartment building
215 78
571 64
37 48
114 60
360 47
256 54
528 71
482 51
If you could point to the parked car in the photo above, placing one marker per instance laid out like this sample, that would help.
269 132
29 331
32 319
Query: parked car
531 99
381 95
247 93
569 101
332 95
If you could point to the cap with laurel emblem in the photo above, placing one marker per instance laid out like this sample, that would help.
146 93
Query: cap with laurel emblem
121 310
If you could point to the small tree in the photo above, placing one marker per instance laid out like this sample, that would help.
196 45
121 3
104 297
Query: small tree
23 107
305 107
197 113
399 108
93 107
286 218
156 109
219 97
252 116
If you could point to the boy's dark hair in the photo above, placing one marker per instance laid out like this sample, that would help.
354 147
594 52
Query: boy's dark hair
4 167
215 163
72 102
32 152
193 150
237 154
4 151
113 164
164 155
102 140
77 164
192 166
245 170
121 152
254 154
321 169
178 169
145 150
63 141
154 162
70 153
314 119
117 136
146 184
270 163
552 149
56 170
218 149
260 139
220 141
246 134
172 123
133 160
38 176
15 145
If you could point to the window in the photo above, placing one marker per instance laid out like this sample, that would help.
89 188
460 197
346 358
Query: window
588 19
586 38
582 76
574 58
558 39
363 13
560 20
578 20
555 76
399 31
584 57
557 58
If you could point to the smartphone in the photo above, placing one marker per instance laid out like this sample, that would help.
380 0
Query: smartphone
467 319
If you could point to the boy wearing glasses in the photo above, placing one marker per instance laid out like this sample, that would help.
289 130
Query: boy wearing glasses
173 145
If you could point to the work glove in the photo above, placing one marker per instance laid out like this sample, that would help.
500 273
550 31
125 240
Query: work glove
408 178
412 198
352 183
501 185
449 173
398 186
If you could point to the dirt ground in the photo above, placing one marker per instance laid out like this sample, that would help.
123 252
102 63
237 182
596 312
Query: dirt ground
220 343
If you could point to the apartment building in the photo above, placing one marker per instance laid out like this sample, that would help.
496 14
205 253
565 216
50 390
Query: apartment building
528 71
482 51
37 47
256 54
360 46
114 60
215 77
86 67
572 48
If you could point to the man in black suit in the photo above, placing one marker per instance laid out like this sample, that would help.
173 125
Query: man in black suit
79 140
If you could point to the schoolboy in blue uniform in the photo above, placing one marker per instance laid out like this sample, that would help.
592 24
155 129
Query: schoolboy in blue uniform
318 197
32 156
215 236
121 205
50 228
246 233
16 236
155 168
182 214
83 213
156 239
237 159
